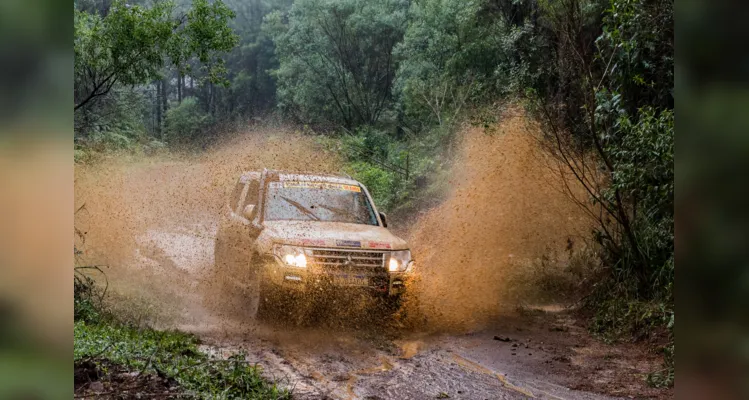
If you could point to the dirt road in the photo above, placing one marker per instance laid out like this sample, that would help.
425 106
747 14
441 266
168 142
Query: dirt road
538 353
152 224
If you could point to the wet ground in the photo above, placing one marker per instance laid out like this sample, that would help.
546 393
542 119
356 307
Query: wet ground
537 352
152 224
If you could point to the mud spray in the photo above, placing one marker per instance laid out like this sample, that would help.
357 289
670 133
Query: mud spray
509 209
151 222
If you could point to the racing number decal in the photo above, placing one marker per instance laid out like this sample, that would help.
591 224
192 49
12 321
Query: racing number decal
320 185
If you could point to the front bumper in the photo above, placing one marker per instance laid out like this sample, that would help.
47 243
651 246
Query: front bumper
313 279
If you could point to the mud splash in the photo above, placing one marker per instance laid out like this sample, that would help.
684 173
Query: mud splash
508 209
150 221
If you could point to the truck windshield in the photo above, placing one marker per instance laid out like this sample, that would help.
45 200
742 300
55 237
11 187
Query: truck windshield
318 201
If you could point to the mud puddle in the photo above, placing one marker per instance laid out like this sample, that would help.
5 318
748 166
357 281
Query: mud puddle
515 359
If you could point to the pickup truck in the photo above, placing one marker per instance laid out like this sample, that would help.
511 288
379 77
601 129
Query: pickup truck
300 234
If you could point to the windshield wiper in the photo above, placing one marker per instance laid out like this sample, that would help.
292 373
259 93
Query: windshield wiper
340 211
301 208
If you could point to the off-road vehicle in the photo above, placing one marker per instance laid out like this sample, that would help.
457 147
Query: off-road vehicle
300 234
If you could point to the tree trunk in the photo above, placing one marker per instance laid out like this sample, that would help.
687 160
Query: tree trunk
179 89
212 99
157 104
164 103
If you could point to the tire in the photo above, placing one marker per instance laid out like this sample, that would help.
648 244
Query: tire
255 297
221 249
266 301
390 305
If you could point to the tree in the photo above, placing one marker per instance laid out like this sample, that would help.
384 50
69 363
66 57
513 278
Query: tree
131 44
446 49
252 89
336 58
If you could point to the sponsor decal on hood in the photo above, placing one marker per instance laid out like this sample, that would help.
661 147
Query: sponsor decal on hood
348 243
314 242
378 245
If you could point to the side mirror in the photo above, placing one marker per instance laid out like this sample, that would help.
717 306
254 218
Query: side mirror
384 219
249 212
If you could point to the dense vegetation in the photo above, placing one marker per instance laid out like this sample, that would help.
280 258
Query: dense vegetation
389 81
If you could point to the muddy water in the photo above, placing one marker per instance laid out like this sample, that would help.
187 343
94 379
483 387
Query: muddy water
509 208
152 223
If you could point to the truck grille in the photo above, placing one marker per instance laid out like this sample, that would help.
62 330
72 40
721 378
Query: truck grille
349 260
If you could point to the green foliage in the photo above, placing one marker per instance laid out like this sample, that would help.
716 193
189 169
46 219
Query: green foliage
131 44
636 52
380 182
114 122
86 298
126 46
252 89
175 355
185 122
336 58
208 33
402 175
448 57
644 174
100 337
636 132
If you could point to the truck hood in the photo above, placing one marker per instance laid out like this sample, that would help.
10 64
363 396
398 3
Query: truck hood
333 234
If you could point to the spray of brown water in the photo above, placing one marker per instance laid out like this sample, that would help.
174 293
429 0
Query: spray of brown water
151 221
508 207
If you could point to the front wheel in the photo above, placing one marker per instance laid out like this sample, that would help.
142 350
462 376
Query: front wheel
391 304
262 299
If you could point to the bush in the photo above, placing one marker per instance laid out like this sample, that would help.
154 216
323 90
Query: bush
185 122
87 296
401 174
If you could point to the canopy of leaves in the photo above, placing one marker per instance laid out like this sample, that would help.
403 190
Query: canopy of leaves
131 44
336 58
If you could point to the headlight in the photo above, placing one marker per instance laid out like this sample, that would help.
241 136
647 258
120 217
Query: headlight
291 255
400 261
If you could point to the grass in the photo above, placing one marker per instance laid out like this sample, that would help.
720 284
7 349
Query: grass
172 356
117 358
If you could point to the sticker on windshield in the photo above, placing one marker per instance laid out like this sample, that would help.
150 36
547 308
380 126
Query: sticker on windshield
317 185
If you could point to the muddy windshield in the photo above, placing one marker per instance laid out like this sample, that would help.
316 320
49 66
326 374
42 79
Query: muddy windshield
318 201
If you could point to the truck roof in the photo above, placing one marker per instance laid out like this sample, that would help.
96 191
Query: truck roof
301 176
